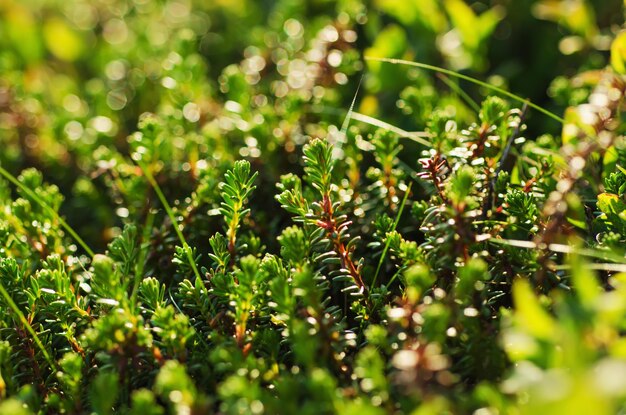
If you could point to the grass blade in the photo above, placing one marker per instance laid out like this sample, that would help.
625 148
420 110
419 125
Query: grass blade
458 90
469 79
28 327
170 214
43 204
563 249
341 137
395 224
415 136
608 267
145 238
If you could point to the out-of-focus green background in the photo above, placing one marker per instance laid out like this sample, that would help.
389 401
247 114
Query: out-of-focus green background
76 75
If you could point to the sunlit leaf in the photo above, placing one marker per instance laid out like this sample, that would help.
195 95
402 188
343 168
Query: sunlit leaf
576 15
62 40
24 33
410 12
575 126
610 203
618 53
584 281
530 314
391 42
465 21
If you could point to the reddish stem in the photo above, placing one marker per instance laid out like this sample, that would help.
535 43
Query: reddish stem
333 233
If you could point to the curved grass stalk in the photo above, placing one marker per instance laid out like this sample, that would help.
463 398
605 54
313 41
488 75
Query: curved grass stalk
170 214
469 79
563 249
147 227
342 138
28 327
43 204
395 224
457 89
608 267
418 137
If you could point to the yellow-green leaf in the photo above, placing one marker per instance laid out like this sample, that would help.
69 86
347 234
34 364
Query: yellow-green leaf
574 126
390 43
584 280
488 21
426 13
610 159
618 53
465 21
23 32
610 203
529 314
62 41
576 211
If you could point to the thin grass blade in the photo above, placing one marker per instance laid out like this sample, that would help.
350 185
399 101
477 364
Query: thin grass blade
43 204
469 79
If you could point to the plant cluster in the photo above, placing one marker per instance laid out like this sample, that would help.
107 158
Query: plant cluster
190 235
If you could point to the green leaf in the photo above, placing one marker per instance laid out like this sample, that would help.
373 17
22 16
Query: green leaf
418 279
584 281
64 42
610 203
144 403
104 392
576 211
461 184
23 31
574 127
618 53
391 42
529 313
411 12
475 270
576 15
14 407
465 21
488 21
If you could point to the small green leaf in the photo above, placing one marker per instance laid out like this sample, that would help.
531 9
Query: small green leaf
610 203
576 211
584 280
410 12
465 21
418 279
618 53
530 314
104 392
62 40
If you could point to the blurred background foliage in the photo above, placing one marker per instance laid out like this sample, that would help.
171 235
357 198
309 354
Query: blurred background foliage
252 77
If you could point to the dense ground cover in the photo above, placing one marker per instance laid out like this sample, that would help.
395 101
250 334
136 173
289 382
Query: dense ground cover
280 207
